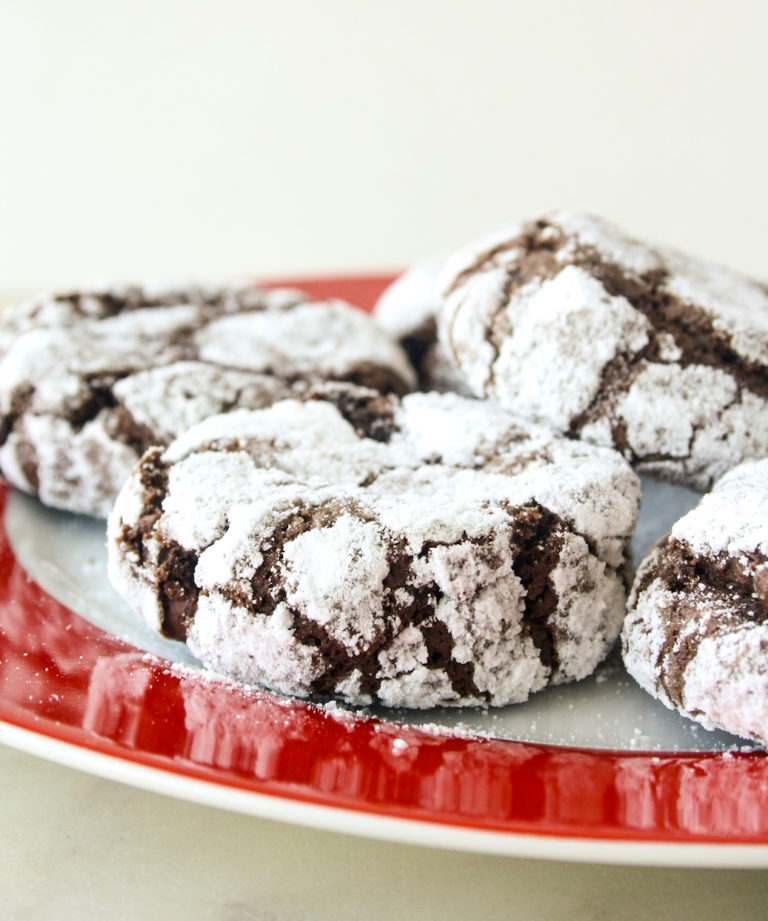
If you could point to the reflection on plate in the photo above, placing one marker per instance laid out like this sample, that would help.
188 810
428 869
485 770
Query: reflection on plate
594 771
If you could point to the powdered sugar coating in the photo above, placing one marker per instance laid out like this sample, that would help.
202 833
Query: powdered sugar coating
733 518
395 559
696 635
568 321
546 317
89 380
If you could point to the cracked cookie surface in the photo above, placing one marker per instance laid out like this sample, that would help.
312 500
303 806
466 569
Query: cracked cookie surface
696 635
427 551
90 379
570 322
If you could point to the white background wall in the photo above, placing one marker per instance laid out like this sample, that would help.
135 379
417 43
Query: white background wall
291 136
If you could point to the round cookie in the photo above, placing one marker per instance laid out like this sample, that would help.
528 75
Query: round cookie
423 552
89 380
696 635
407 310
569 322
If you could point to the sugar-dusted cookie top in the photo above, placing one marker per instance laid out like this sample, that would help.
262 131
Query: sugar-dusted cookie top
90 379
424 551
570 322
696 635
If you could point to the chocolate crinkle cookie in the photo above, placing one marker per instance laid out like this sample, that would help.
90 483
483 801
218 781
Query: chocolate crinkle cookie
696 635
89 380
568 321
427 551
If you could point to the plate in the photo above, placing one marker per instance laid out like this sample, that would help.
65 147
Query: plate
595 772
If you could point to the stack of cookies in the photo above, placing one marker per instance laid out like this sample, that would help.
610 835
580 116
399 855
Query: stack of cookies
432 507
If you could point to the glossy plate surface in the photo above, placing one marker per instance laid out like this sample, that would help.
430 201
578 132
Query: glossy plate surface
79 694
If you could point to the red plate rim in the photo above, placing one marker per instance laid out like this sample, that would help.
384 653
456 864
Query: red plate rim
67 681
